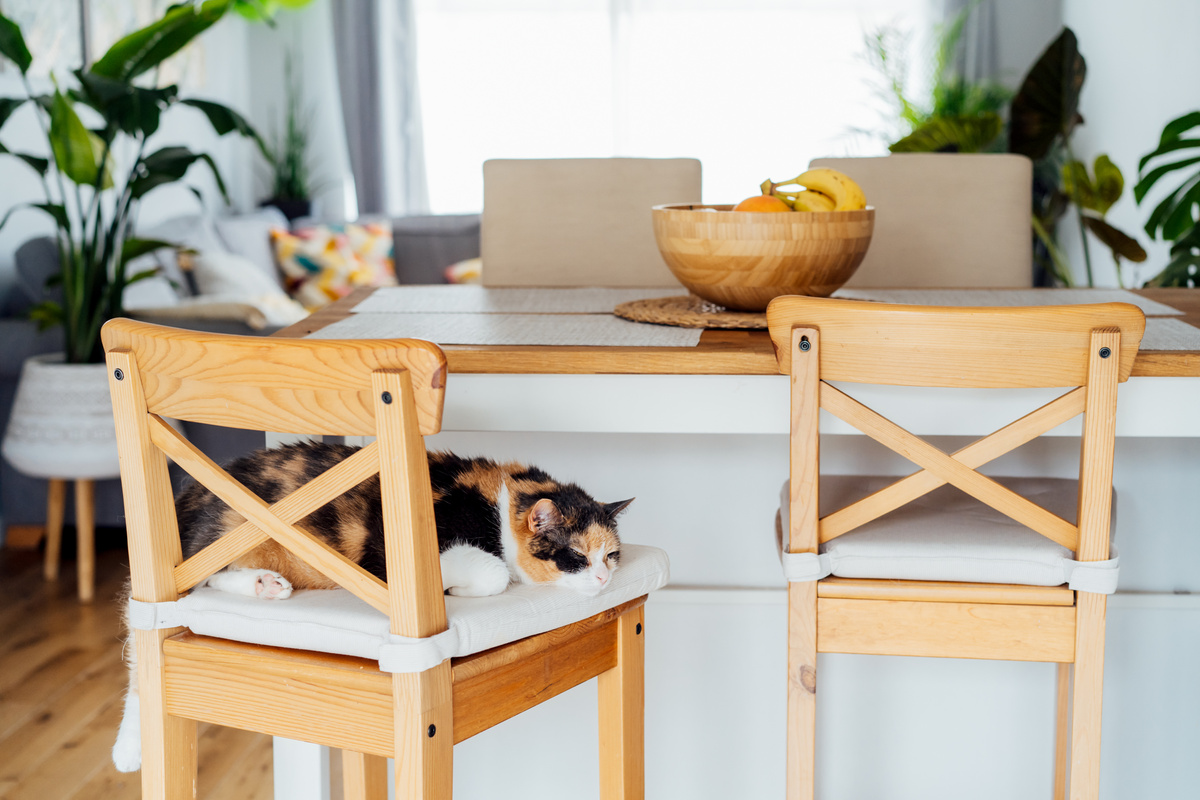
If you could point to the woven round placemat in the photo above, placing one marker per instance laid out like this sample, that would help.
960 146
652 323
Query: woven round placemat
689 311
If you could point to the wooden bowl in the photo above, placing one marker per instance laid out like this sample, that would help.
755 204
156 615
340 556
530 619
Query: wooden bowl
742 259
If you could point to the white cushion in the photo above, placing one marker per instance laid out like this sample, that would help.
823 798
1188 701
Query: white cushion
230 278
249 236
335 621
947 535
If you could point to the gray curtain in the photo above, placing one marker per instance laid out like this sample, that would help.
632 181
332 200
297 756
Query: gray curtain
978 55
375 47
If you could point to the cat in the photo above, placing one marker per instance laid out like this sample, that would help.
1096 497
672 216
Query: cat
497 523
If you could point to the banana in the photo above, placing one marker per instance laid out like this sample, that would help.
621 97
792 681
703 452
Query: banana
846 194
811 200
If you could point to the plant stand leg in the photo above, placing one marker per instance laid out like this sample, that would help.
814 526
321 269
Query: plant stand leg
85 525
56 497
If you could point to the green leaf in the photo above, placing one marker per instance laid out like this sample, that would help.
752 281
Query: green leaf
1077 185
1121 244
1110 183
1167 206
46 314
1175 128
1184 271
143 275
169 165
224 120
1182 217
148 47
969 134
40 165
1169 147
132 109
134 248
1046 106
8 105
12 44
71 143
1143 186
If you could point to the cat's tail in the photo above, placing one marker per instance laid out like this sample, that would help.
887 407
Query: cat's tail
127 751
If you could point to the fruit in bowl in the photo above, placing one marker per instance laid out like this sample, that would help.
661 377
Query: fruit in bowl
742 257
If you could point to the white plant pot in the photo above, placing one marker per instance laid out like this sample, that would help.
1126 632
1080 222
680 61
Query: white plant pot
62 421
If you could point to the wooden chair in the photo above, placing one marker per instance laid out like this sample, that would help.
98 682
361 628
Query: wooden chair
946 220
392 390
876 603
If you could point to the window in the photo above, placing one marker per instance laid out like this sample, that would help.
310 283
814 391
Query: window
753 88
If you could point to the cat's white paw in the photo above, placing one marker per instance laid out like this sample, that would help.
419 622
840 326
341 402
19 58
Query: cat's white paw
272 586
470 572
127 751
262 583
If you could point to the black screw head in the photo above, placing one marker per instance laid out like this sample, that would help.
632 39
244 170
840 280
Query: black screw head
805 344
1105 352
118 374
386 397
638 629
432 730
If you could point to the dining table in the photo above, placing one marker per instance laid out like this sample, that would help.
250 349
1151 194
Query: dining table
698 434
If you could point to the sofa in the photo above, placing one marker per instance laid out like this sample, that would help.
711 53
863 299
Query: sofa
423 248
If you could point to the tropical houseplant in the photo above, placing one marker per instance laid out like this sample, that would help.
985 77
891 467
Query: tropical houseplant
112 108
1174 219
1042 117
287 152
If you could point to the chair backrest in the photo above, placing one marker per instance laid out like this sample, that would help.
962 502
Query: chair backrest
391 389
1089 348
945 219
579 221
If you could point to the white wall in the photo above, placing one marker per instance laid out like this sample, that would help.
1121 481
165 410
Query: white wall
307 33
1143 62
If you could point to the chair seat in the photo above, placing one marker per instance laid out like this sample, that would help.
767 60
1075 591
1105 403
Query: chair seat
335 621
947 535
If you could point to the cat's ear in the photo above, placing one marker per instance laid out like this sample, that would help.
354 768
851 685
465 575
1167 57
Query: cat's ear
543 516
613 509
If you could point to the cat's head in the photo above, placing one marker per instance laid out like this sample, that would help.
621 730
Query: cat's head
571 540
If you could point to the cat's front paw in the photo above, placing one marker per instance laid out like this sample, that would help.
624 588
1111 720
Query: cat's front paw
272 586
470 572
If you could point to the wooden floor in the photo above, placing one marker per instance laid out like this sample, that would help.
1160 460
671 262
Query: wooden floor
62 685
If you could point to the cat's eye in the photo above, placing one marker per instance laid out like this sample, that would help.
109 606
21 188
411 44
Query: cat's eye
615 555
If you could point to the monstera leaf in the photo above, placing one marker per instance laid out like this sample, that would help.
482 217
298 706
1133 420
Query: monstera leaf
1047 104
967 134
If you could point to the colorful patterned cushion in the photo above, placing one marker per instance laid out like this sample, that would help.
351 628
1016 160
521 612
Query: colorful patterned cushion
325 262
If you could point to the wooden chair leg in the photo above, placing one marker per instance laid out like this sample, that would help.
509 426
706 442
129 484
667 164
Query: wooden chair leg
1087 695
424 713
168 742
622 698
802 690
85 538
364 777
56 498
1062 731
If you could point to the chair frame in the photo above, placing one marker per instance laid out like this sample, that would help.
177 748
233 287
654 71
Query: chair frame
1088 347
392 389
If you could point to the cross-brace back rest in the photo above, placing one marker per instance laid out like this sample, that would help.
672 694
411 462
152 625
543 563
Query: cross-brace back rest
391 389
1091 347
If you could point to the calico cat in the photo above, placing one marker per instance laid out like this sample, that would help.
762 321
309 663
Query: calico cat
496 524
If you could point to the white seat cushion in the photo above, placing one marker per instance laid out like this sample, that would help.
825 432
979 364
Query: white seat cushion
947 535
335 621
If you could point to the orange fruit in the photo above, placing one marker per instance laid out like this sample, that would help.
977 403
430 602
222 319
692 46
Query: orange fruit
762 203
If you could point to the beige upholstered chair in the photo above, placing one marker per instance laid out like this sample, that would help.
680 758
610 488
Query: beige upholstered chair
381 669
1011 569
945 220
579 221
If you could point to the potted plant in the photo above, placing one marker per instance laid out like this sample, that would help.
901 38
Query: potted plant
61 424
1174 218
1042 117
292 186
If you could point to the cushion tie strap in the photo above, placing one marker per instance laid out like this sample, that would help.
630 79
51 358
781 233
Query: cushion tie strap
145 616
1098 577
802 567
